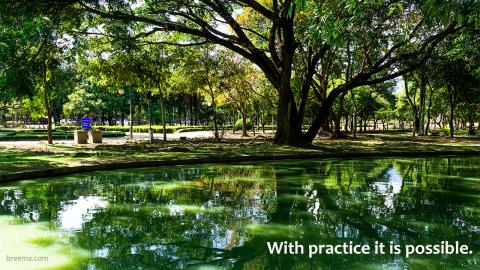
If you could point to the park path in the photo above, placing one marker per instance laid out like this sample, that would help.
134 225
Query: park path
136 137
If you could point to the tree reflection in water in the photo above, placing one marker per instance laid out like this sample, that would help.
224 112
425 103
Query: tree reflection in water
223 215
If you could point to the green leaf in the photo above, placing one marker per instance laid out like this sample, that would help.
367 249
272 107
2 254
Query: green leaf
290 10
459 18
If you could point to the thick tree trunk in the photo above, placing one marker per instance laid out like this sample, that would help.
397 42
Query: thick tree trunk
289 130
289 127
416 125
289 120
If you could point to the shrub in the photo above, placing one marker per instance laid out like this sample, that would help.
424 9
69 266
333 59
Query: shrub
239 123
191 129
7 133
445 131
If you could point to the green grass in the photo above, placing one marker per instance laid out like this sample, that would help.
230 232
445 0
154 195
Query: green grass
23 134
59 155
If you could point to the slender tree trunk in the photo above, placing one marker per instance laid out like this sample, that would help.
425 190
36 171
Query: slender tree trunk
164 119
195 109
49 126
452 111
103 118
244 125
215 123
263 123
338 117
451 123
471 123
191 110
346 122
215 116
337 123
232 121
131 115
252 122
48 104
413 105
354 122
427 127
273 123
421 109
416 124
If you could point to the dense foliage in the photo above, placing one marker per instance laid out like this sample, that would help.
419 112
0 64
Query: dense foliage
302 65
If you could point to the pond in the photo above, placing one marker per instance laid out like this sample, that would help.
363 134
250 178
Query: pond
218 216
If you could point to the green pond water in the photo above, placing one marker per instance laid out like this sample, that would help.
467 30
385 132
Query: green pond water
222 216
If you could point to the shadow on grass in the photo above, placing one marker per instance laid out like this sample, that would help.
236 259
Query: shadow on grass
11 162
74 155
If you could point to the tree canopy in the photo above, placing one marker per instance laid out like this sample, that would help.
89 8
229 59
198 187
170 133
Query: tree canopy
313 53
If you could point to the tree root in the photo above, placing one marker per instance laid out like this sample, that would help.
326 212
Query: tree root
257 138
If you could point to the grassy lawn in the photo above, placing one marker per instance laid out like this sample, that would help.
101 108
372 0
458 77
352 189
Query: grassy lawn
42 156
25 134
